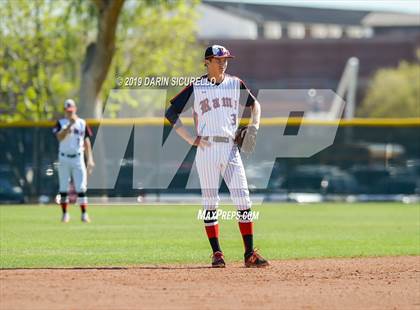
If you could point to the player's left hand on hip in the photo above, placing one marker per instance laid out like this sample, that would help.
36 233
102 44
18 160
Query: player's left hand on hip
203 144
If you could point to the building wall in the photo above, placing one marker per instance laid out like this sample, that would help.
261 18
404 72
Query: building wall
314 63
216 23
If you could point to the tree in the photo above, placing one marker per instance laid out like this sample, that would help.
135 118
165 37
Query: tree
157 40
393 93
98 56
45 41
41 47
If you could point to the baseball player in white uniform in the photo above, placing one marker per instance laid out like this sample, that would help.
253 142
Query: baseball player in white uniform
215 100
73 135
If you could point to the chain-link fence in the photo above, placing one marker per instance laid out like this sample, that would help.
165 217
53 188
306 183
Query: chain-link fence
368 158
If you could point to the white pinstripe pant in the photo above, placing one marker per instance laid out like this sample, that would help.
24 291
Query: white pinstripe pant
222 159
72 168
75 168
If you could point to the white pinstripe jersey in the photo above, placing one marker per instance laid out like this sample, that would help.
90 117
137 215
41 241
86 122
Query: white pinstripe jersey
216 107
74 142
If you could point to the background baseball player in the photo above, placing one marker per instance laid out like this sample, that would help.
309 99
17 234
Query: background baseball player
215 101
73 135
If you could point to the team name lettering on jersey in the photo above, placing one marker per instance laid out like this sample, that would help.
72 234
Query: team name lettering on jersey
205 106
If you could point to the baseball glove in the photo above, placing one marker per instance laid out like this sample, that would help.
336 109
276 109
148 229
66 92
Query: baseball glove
246 139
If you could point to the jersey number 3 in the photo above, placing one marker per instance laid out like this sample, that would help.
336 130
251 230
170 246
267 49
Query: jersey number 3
233 116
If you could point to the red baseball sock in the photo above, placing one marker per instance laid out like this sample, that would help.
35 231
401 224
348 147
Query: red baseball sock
83 207
212 231
213 235
246 228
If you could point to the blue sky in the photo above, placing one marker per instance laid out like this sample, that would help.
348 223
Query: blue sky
406 6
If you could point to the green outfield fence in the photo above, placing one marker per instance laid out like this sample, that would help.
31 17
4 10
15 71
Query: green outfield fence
359 160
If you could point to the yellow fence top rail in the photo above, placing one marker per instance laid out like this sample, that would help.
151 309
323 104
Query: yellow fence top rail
275 121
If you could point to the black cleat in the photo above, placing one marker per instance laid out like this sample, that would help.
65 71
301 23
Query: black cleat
217 260
255 260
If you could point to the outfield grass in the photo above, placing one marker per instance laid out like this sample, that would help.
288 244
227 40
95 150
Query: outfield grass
32 236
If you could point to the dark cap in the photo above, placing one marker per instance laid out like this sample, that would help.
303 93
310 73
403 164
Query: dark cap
217 51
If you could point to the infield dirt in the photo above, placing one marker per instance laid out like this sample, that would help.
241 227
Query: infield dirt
351 283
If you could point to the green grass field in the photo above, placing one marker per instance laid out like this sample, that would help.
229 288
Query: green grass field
32 236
